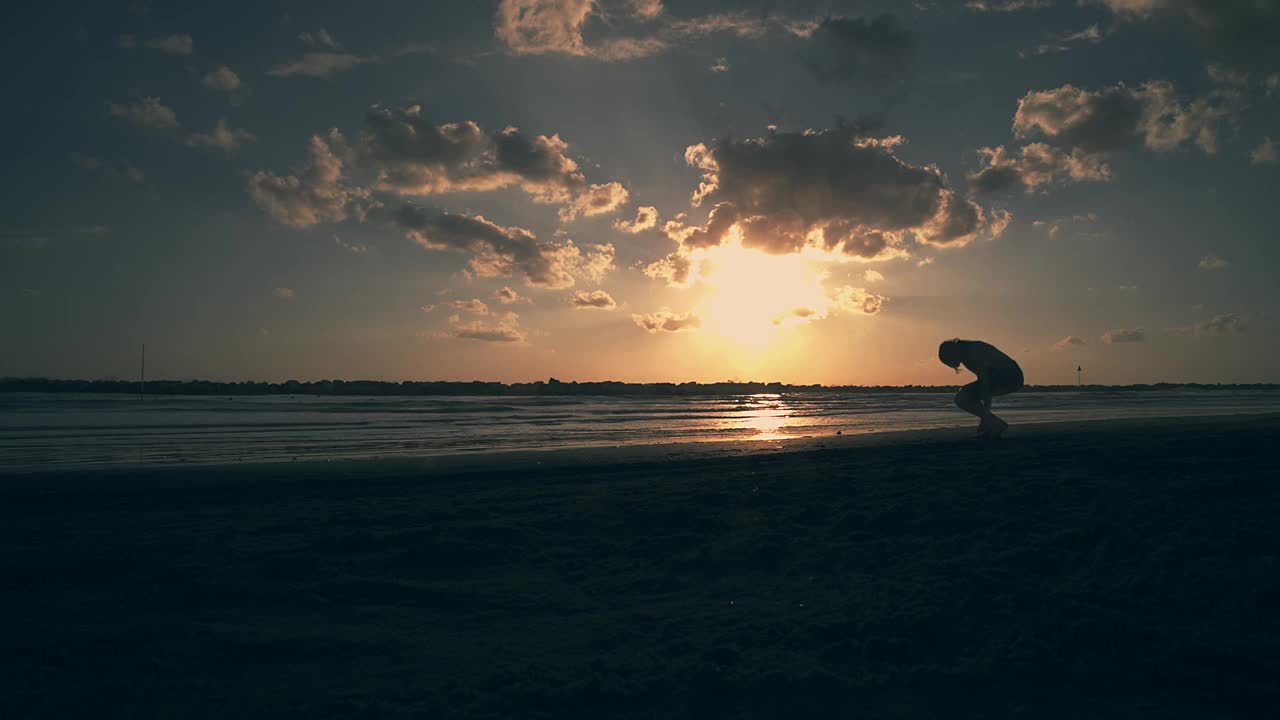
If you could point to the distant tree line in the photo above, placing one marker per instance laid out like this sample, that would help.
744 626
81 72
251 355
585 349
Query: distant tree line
550 387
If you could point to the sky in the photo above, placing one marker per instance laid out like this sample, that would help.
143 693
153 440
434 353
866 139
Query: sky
641 190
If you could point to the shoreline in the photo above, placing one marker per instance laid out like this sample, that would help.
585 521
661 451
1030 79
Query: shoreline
427 466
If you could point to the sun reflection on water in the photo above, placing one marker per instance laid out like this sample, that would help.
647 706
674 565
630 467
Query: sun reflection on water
765 415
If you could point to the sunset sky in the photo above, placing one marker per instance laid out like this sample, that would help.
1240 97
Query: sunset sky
642 190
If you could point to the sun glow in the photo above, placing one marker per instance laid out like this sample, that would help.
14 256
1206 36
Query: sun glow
753 295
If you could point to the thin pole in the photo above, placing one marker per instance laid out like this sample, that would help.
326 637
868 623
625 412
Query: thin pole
142 377
1079 376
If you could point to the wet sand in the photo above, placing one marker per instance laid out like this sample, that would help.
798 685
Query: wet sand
1121 569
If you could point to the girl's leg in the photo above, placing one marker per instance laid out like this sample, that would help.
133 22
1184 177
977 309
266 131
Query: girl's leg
969 399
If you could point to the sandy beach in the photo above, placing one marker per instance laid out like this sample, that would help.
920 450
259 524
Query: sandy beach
1116 569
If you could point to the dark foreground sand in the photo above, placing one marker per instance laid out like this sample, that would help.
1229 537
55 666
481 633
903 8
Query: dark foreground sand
1120 570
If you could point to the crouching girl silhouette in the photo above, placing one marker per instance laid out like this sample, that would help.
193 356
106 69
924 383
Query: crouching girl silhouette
997 373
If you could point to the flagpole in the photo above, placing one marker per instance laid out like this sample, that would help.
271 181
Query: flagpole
142 376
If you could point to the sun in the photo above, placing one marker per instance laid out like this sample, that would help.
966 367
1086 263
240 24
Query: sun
751 295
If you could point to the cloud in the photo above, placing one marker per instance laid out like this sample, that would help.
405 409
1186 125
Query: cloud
22 240
1226 324
411 155
315 193
94 164
505 328
1212 262
873 276
319 65
1240 32
1120 117
635 28
320 38
537 27
173 44
283 293
830 188
596 199
222 137
221 78
1006 5
594 300
354 249
646 218
675 269
1035 166
148 113
1063 42
497 251
666 321
857 300
1265 153
475 305
1129 335
1069 342
844 49
507 296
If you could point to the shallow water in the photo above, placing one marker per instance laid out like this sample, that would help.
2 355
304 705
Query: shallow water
60 430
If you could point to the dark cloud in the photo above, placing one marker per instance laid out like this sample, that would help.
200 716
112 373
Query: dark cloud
1006 5
620 30
1239 32
1121 117
667 321
1035 166
720 220
844 49
1127 335
851 192
411 155
594 300
498 251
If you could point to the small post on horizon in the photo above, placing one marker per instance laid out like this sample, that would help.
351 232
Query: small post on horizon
142 376
1079 376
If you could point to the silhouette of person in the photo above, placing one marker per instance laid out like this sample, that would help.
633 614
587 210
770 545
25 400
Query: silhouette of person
997 373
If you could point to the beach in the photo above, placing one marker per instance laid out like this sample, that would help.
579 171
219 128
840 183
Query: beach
1125 568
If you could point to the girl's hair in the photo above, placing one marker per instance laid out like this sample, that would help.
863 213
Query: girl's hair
949 354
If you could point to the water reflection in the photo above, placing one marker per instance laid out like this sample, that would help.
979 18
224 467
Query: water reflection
763 416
